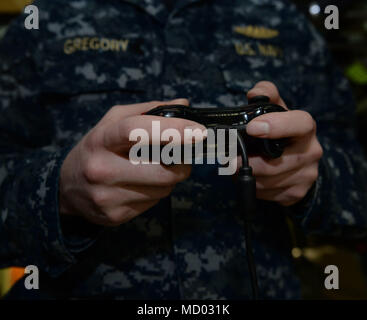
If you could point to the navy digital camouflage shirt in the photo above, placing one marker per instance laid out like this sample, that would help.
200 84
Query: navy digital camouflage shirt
89 55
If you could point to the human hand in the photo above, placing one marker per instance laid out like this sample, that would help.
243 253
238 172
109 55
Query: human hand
98 181
285 180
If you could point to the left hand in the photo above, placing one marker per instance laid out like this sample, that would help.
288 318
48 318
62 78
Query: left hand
285 180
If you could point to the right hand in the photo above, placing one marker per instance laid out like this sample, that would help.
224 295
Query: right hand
97 180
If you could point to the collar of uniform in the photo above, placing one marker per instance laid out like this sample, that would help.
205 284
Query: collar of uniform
158 9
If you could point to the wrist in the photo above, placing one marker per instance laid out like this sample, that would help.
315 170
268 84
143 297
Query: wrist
65 180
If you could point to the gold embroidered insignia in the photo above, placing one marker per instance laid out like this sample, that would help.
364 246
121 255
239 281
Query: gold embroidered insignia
256 32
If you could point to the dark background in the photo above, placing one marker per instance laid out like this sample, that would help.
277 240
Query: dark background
349 48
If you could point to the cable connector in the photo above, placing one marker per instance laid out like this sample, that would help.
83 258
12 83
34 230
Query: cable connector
246 193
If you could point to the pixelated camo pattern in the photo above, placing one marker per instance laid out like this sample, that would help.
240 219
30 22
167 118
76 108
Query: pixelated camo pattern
57 82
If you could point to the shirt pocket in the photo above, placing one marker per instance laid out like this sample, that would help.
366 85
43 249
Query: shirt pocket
96 64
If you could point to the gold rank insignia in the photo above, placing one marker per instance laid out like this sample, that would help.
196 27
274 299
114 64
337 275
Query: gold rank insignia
256 32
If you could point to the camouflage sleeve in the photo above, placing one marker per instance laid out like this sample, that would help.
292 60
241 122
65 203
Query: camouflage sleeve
30 161
337 205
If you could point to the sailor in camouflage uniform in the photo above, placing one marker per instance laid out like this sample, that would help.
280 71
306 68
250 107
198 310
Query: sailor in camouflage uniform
58 82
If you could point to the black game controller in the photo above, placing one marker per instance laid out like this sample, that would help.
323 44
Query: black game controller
231 118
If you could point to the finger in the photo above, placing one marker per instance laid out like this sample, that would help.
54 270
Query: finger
291 124
293 159
133 193
157 175
282 180
288 179
284 196
266 88
119 112
127 131
295 156
262 167
104 197
111 169
119 215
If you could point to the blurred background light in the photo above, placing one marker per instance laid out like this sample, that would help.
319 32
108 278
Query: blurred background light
314 9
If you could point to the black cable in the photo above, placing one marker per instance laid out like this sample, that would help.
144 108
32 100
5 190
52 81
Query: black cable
247 207
242 145
251 261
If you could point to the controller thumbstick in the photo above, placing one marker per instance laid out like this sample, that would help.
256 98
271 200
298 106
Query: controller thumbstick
259 99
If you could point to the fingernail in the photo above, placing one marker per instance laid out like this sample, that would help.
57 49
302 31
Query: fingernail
181 101
258 128
196 127
256 92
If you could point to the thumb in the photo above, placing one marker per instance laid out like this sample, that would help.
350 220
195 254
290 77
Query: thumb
269 89
119 112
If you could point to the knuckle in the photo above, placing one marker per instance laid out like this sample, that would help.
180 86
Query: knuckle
122 215
310 123
94 171
296 194
119 217
100 197
313 174
115 220
170 178
318 151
